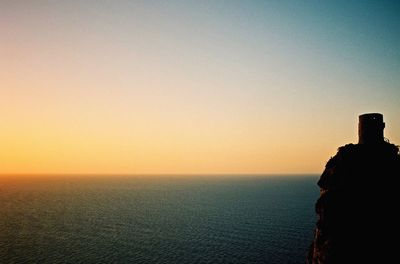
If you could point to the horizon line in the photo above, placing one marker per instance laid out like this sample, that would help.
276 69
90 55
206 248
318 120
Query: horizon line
159 174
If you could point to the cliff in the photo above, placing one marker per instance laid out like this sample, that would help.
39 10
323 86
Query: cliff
357 206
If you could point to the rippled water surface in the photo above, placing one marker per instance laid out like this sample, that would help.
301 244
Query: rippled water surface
156 219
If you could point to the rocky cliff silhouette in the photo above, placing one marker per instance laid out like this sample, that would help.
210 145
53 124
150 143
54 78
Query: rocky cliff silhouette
358 200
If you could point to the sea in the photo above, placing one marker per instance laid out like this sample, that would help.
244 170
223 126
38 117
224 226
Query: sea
157 219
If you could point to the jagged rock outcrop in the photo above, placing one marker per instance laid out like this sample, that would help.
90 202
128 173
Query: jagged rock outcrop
357 206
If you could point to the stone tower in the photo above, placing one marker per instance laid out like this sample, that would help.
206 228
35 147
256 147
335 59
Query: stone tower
355 210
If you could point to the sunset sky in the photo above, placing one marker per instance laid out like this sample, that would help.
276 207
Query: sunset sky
192 87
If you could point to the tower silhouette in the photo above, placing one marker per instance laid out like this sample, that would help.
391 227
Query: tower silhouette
357 200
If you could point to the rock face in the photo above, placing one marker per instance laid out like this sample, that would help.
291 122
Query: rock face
357 206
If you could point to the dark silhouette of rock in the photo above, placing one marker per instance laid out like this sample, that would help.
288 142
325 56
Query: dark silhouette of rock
358 203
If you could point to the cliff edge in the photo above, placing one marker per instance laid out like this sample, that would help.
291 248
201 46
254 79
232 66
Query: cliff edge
357 205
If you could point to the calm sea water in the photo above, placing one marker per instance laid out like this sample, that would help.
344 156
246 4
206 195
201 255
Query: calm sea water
157 219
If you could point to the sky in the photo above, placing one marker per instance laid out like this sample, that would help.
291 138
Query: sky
192 87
